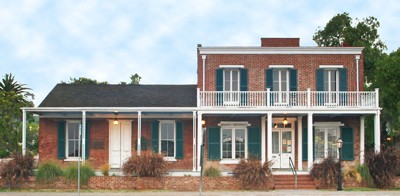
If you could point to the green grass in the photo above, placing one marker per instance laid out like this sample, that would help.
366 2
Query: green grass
48 172
71 173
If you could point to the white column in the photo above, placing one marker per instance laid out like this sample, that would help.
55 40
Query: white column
139 133
23 132
194 141
83 136
203 57
199 138
362 138
377 131
263 118
269 136
299 143
310 141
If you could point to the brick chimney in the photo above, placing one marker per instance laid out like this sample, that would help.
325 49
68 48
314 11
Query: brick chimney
280 42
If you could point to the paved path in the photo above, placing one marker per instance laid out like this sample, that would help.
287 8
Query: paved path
246 193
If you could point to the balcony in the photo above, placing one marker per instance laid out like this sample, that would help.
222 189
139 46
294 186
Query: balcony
292 99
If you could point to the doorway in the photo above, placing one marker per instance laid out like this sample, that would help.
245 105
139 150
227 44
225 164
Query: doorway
282 147
120 143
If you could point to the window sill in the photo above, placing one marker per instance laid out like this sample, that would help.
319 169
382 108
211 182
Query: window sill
229 161
169 159
71 159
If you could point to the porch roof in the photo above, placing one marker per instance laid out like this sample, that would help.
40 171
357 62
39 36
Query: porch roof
105 95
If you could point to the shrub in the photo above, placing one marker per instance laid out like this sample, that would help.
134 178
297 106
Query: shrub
17 169
351 172
105 169
48 172
71 173
147 164
365 175
327 171
212 172
252 174
383 166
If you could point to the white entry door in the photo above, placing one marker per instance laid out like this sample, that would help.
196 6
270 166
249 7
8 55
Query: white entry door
282 148
120 143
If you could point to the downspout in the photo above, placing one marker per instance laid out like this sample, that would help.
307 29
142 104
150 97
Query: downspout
23 132
204 71
358 86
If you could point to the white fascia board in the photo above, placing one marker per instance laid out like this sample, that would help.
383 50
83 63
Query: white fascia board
331 66
281 50
282 66
231 66
111 109
288 111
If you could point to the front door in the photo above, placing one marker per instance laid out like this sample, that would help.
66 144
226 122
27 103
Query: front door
120 143
282 147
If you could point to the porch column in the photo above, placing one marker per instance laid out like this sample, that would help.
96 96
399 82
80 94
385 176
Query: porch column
310 141
139 134
269 136
299 143
194 141
263 118
83 136
377 131
23 132
199 138
362 138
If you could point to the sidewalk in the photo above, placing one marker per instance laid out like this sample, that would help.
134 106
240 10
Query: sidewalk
236 193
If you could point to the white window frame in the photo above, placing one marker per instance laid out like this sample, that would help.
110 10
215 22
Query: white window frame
230 81
279 97
325 126
67 157
170 158
234 160
330 92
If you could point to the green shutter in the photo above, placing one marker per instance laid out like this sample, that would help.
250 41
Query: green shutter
293 80
348 143
243 86
254 141
304 139
179 140
268 79
343 79
87 140
61 140
320 80
219 80
154 136
214 145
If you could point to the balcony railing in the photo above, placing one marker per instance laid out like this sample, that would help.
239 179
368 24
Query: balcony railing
293 99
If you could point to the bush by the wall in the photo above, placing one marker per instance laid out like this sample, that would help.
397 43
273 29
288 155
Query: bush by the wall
105 169
327 171
71 173
363 170
147 164
383 166
48 172
212 172
17 169
252 174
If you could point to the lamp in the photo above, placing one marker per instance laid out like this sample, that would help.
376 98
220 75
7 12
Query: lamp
115 119
285 120
203 123
339 143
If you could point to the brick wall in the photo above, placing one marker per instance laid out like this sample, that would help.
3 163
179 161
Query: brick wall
280 42
258 63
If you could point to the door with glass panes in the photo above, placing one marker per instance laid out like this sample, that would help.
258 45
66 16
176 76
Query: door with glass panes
231 87
282 147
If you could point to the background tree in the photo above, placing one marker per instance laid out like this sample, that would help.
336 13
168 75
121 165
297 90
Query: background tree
341 31
135 79
13 96
83 80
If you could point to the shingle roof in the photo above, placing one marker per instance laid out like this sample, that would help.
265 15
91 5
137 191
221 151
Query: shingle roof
101 95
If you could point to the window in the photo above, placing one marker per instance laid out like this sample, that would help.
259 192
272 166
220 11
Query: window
280 79
167 138
331 85
233 143
325 142
72 134
231 80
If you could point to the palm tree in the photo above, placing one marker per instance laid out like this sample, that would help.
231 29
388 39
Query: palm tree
9 84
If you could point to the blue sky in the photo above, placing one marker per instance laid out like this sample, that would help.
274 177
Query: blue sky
43 42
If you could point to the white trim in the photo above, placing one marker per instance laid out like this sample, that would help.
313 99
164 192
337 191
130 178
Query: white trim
282 66
159 138
234 124
67 139
331 66
328 124
233 144
229 161
170 159
231 66
280 50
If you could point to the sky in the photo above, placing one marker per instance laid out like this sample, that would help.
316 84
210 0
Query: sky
44 42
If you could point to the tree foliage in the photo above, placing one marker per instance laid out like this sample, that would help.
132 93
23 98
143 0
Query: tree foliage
135 79
83 80
342 31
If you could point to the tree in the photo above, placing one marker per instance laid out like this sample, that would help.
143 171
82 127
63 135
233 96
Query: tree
135 79
340 31
83 80
8 84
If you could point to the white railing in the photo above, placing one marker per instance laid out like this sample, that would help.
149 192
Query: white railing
300 99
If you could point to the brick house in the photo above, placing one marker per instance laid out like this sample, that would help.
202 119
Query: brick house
279 102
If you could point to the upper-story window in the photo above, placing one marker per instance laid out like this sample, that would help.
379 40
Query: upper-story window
331 77
280 79
231 80
331 80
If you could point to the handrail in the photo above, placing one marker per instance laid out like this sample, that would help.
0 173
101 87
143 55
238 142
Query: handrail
293 171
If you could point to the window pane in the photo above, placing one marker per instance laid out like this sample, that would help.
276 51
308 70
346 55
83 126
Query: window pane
332 147
326 80
167 139
319 143
284 80
235 80
333 80
227 80
286 142
240 143
275 142
227 143
275 79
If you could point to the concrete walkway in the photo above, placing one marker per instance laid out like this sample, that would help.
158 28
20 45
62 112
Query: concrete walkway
238 193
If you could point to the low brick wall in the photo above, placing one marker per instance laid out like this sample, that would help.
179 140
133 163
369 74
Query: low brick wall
142 183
